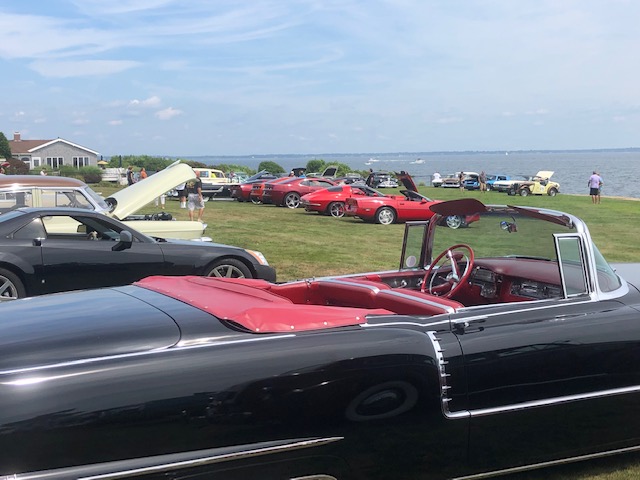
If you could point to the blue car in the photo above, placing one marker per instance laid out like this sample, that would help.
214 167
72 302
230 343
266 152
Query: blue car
494 178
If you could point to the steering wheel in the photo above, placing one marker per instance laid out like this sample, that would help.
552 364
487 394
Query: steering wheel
456 278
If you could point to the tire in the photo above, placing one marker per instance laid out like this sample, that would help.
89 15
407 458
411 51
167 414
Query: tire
255 200
525 192
229 268
292 200
552 192
385 216
336 209
511 192
454 221
11 287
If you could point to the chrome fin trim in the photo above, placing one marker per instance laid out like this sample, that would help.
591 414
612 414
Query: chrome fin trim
172 462
552 463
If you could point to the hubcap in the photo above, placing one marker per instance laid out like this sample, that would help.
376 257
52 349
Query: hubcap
226 271
8 290
386 217
454 221
337 210
292 201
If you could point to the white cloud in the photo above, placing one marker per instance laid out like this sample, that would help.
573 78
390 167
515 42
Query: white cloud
80 68
168 113
115 122
149 102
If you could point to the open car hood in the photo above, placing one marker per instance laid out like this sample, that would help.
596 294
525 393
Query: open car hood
544 174
407 181
471 206
132 198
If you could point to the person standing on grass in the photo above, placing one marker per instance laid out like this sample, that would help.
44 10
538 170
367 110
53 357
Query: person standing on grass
194 197
482 180
130 177
595 185
461 181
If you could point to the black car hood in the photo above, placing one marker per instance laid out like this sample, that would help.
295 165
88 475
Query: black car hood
77 326
407 181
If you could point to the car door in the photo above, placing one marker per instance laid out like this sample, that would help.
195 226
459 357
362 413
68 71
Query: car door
412 207
77 253
553 379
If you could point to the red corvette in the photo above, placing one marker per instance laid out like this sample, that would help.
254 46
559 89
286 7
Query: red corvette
289 192
330 201
410 206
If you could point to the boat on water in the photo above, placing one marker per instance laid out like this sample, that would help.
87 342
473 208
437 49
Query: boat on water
418 161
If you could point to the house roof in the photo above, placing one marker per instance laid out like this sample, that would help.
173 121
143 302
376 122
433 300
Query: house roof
32 146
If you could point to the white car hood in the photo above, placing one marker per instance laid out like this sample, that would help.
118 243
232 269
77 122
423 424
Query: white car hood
132 198
544 174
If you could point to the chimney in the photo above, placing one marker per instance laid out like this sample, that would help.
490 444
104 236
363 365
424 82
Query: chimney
16 136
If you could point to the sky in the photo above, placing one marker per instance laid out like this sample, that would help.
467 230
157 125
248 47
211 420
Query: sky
229 77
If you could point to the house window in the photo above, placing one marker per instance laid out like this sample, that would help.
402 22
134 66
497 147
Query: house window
80 162
36 162
55 162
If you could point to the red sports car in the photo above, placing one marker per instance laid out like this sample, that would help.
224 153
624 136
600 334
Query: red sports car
410 206
289 192
257 190
330 201
241 191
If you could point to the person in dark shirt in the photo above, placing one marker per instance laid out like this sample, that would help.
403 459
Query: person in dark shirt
130 178
193 189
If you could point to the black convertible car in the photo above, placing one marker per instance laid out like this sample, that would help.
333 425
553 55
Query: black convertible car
48 250
505 346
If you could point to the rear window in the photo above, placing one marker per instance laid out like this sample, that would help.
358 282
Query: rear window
337 188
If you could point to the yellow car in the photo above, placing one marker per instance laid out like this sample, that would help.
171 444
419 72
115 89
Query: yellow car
540 184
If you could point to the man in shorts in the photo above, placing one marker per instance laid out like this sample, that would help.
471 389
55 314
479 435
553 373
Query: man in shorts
595 184
193 189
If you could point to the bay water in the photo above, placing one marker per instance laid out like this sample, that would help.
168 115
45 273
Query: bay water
618 168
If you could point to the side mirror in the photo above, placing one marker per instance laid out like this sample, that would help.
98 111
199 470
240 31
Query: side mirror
125 242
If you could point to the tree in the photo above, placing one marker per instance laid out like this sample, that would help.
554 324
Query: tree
5 149
271 167
16 167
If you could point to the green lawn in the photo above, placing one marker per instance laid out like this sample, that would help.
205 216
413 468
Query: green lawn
301 245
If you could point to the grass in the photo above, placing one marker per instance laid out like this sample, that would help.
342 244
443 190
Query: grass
302 245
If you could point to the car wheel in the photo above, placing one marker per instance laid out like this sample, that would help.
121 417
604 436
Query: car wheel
229 268
11 288
454 221
292 200
511 191
525 192
552 192
385 216
336 209
255 200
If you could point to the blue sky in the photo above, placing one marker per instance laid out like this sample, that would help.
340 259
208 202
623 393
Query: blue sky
222 77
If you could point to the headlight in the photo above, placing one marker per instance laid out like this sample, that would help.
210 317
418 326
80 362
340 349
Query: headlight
258 256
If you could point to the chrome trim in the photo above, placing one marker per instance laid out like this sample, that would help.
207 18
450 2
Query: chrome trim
171 462
319 476
465 320
553 401
535 466
334 281
442 375
172 348
447 309
399 323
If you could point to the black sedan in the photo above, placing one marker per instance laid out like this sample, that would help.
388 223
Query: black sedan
505 346
53 250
